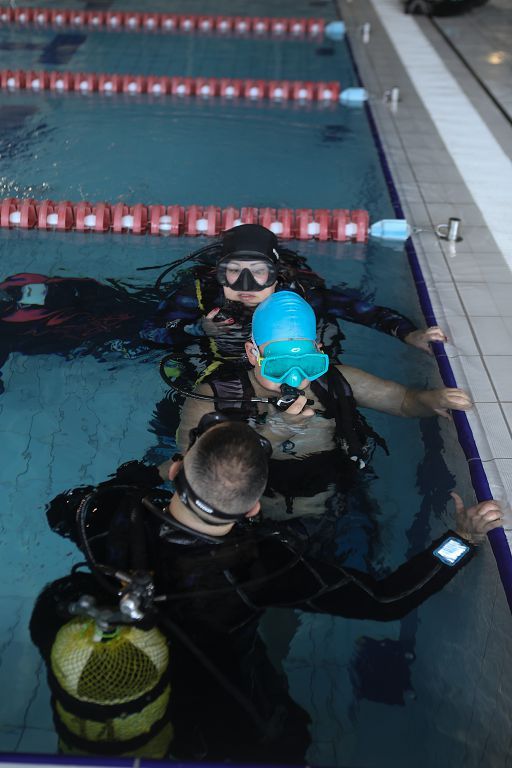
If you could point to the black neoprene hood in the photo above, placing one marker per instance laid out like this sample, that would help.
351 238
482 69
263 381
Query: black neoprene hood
250 241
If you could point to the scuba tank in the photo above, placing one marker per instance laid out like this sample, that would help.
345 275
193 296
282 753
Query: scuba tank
110 686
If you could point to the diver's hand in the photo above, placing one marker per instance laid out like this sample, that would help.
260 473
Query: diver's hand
422 339
211 328
300 408
474 522
432 402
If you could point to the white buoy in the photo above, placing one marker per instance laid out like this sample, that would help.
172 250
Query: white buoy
353 96
90 220
391 229
335 30
127 222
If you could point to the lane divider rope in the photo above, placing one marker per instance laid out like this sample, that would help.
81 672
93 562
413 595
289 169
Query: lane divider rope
90 82
137 21
302 224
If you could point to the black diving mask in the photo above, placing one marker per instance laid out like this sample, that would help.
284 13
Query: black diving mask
246 272
193 502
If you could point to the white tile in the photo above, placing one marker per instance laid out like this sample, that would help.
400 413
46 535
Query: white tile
460 337
482 163
479 384
478 300
500 371
492 335
491 431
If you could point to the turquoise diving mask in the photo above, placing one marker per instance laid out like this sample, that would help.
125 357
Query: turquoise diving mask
292 361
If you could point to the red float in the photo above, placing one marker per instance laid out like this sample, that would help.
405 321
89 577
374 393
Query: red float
260 26
224 24
158 85
213 217
103 217
23 15
140 219
303 218
155 213
169 22
362 220
78 18
44 209
37 81
28 214
241 25
6 15
9 205
339 220
249 215
61 81
58 17
206 86
297 27
114 19
182 86
303 91
315 27
119 211
82 210
279 26
254 89
327 91
95 19
267 217
278 90
65 219
323 218
187 23
229 217
85 82
132 20
110 83
286 218
230 89
12 79
133 84
192 215
205 23
151 21
177 215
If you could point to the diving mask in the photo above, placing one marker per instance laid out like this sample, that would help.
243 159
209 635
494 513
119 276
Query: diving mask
246 273
292 361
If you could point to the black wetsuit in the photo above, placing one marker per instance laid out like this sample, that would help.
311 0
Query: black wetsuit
178 318
217 590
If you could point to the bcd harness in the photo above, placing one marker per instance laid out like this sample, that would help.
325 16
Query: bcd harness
354 436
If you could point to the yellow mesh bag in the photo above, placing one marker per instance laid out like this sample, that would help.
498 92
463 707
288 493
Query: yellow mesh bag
117 728
111 671
156 748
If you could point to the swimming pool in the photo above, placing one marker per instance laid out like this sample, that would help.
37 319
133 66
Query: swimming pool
72 415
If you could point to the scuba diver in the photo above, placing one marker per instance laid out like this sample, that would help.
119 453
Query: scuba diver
305 405
69 315
195 565
243 269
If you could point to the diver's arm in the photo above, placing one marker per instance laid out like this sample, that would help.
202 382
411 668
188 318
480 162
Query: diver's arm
351 306
175 320
191 414
393 398
359 596
354 594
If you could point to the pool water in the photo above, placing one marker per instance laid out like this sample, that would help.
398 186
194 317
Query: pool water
72 411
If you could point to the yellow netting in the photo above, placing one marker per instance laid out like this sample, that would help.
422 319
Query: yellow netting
156 748
126 666
117 728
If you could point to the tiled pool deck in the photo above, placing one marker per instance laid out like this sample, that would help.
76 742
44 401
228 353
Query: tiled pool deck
449 147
